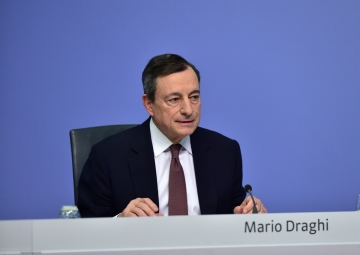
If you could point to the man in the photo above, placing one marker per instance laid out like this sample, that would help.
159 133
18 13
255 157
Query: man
132 173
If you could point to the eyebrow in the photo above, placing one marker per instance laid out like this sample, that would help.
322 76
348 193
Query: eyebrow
195 91
179 94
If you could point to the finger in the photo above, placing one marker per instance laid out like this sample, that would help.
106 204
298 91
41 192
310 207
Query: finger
150 203
263 210
238 209
259 205
245 206
143 209
248 207
146 205
127 214
140 207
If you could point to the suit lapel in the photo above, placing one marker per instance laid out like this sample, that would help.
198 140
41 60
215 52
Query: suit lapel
142 165
204 172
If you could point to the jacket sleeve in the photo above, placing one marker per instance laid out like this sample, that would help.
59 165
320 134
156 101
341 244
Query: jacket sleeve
94 190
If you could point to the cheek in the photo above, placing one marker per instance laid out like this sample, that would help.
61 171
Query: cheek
197 108
172 116
167 116
173 113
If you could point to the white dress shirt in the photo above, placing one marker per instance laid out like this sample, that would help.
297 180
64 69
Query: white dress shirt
162 157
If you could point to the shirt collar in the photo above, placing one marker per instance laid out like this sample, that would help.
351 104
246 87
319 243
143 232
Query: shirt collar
161 143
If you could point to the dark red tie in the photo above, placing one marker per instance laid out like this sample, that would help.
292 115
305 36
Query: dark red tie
177 185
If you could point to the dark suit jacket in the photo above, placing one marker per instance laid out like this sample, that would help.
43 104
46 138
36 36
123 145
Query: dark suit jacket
122 168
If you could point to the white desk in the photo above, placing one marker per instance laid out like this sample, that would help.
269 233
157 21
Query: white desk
332 233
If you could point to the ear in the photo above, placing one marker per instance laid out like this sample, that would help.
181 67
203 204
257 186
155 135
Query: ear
147 104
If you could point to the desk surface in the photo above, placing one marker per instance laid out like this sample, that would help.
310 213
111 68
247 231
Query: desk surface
298 233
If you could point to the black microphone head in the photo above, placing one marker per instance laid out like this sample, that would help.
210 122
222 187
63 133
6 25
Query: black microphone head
248 188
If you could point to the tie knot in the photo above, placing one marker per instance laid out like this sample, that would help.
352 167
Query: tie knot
175 148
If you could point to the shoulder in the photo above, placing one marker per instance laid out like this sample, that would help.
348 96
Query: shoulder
204 139
126 135
126 138
204 134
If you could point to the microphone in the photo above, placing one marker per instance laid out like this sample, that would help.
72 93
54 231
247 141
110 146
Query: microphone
248 189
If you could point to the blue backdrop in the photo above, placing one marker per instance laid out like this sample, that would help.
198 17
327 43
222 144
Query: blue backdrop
280 77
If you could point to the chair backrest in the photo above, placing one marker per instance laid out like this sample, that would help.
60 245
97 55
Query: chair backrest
82 139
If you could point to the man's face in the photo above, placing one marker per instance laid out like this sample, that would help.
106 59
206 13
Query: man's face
176 108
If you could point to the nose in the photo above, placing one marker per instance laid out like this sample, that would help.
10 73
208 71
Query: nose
186 107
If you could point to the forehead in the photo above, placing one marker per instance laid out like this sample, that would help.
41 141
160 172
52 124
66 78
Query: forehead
180 82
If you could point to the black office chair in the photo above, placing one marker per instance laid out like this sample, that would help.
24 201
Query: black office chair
82 140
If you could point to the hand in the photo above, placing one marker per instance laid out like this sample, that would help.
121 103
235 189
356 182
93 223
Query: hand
247 206
140 207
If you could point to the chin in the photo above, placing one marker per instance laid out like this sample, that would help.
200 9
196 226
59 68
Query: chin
187 131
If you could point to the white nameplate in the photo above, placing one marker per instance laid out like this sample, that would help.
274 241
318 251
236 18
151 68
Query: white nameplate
295 233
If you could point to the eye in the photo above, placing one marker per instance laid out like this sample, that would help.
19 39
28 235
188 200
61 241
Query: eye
195 98
173 100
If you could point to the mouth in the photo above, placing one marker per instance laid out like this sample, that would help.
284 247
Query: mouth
186 122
